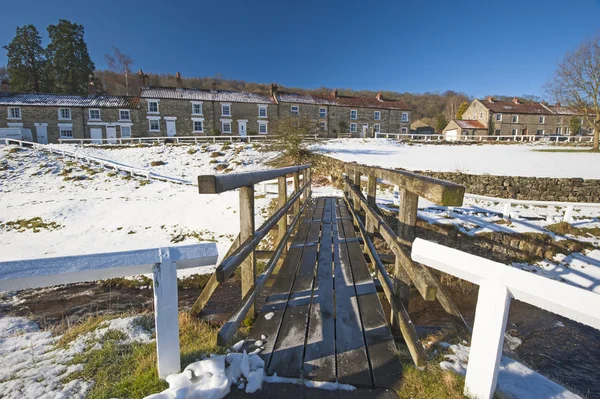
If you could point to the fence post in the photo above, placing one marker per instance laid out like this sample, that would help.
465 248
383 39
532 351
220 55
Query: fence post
281 201
491 314
506 213
296 176
309 188
166 315
247 231
407 220
304 180
372 201
568 214
356 201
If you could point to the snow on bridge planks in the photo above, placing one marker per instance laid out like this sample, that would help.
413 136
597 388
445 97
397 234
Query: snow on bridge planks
327 322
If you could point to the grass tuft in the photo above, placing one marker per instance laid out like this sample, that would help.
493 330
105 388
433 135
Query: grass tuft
36 224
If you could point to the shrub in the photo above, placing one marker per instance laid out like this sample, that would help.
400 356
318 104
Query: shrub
222 166
192 151
290 136
157 163
216 154
215 132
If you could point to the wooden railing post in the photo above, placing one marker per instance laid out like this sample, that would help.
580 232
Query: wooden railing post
304 180
247 231
407 220
355 201
309 188
281 201
296 176
372 201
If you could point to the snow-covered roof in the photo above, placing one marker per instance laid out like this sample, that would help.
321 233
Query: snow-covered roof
344 101
287 97
204 95
68 100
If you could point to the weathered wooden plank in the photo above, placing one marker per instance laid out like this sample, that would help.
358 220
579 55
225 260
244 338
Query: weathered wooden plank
247 228
281 200
288 355
352 361
319 358
215 184
276 301
437 191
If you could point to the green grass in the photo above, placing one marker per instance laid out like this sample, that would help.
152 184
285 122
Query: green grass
36 224
564 228
130 370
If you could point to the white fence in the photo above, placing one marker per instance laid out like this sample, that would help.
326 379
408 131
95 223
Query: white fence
498 285
161 262
517 138
410 136
132 170
162 139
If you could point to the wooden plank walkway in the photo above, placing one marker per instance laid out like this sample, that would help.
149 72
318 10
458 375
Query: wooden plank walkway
322 318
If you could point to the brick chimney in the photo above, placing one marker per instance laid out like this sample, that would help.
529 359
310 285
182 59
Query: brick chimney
142 78
558 103
91 85
214 85
334 93
516 100
379 96
490 99
273 90
5 85
178 79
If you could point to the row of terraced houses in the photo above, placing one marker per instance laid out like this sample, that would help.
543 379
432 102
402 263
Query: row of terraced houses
514 118
178 111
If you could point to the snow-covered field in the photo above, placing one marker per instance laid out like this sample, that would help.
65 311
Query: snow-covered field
104 212
501 160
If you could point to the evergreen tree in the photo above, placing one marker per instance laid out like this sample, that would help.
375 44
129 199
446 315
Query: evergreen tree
441 123
27 61
491 126
461 110
575 125
68 54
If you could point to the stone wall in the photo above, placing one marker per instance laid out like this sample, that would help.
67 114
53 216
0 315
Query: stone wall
515 187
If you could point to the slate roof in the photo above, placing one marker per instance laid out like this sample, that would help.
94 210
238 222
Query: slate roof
68 100
516 108
562 110
204 95
419 124
344 101
468 124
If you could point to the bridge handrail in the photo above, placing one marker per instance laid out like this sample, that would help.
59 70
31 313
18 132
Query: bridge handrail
243 250
161 262
498 285
176 139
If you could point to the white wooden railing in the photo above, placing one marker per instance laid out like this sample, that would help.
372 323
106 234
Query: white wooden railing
498 285
410 136
161 139
104 163
163 263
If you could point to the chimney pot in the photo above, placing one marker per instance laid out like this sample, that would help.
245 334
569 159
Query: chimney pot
490 99
335 93
214 86
516 100
5 85
379 96
178 79
273 89
91 88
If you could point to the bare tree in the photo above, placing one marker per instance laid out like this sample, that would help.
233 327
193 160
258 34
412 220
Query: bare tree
576 82
121 63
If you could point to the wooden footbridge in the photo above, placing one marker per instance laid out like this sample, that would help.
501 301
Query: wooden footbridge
322 319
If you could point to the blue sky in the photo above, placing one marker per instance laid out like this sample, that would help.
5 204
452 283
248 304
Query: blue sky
477 47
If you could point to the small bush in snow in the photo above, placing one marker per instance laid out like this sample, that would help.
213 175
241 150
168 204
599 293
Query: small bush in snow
157 163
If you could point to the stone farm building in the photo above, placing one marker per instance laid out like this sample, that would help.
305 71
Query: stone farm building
513 118
178 111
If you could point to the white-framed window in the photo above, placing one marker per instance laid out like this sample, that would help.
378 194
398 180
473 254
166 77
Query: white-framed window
66 131
515 119
377 127
226 126
153 106
353 127
262 111
197 108
322 112
499 117
559 130
94 115
566 130
124 115
225 109
64 114
263 127
198 126
540 132
405 117
542 120
404 130
515 132
481 115
497 132
377 115
295 110
154 125
353 114
125 131
323 126
14 113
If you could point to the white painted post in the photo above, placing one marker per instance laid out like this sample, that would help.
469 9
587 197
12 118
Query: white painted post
491 314
451 212
568 214
396 195
506 213
166 315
